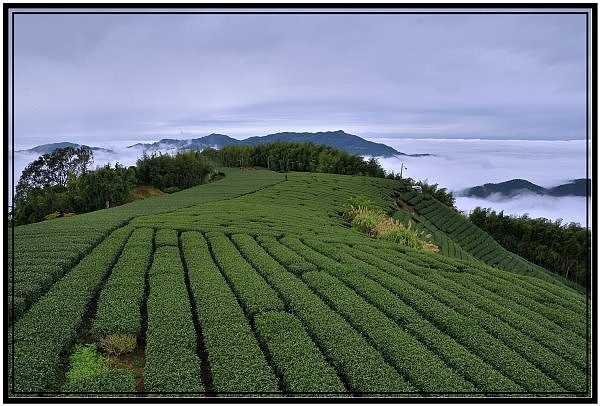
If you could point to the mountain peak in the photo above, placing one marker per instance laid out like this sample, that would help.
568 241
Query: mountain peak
340 139
513 187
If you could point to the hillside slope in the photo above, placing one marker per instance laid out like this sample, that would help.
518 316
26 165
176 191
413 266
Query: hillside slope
270 291
452 229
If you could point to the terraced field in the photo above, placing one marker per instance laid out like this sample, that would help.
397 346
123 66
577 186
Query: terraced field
255 286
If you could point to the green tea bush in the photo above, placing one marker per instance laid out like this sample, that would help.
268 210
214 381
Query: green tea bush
285 256
524 337
470 334
306 249
165 236
119 305
254 293
412 359
236 360
453 353
495 320
110 380
347 350
172 364
49 327
298 360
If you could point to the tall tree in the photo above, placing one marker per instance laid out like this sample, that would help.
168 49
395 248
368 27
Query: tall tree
54 169
42 188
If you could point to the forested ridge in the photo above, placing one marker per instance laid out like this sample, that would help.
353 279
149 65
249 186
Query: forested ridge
561 248
300 157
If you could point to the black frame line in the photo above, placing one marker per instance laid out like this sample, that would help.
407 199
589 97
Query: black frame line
587 9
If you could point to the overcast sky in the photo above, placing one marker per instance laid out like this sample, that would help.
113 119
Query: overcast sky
103 77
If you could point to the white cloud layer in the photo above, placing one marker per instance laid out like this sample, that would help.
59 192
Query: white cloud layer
460 164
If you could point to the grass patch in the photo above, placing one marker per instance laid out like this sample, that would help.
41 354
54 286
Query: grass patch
369 219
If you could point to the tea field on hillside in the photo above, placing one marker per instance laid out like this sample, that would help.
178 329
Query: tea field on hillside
256 286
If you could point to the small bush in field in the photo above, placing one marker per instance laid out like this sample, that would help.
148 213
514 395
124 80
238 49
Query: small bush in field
407 237
85 361
371 220
366 221
117 344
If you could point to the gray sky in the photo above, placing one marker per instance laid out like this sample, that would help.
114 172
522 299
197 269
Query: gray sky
99 78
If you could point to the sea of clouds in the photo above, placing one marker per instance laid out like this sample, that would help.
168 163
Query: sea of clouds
455 164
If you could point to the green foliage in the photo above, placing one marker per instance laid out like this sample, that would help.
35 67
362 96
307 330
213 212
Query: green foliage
166 172
60 182
121 299
484 377
93 189
440 194
42 188
284 289
285 256
49 327
474 240
111 380
355 360
300 157
563 249
410 358
236 361
366 221
296 357
165 236
369 219
54 169
404 235
52 248
451 318
254 293
171 361
360 201
85 361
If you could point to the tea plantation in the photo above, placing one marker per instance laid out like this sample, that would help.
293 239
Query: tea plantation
255 286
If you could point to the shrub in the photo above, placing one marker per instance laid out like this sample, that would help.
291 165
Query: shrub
369 219
366 221
117 344
400 234
357 205
85 361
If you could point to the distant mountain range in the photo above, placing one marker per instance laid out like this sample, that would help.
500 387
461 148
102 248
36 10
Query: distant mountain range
350 143
47 148
514 187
